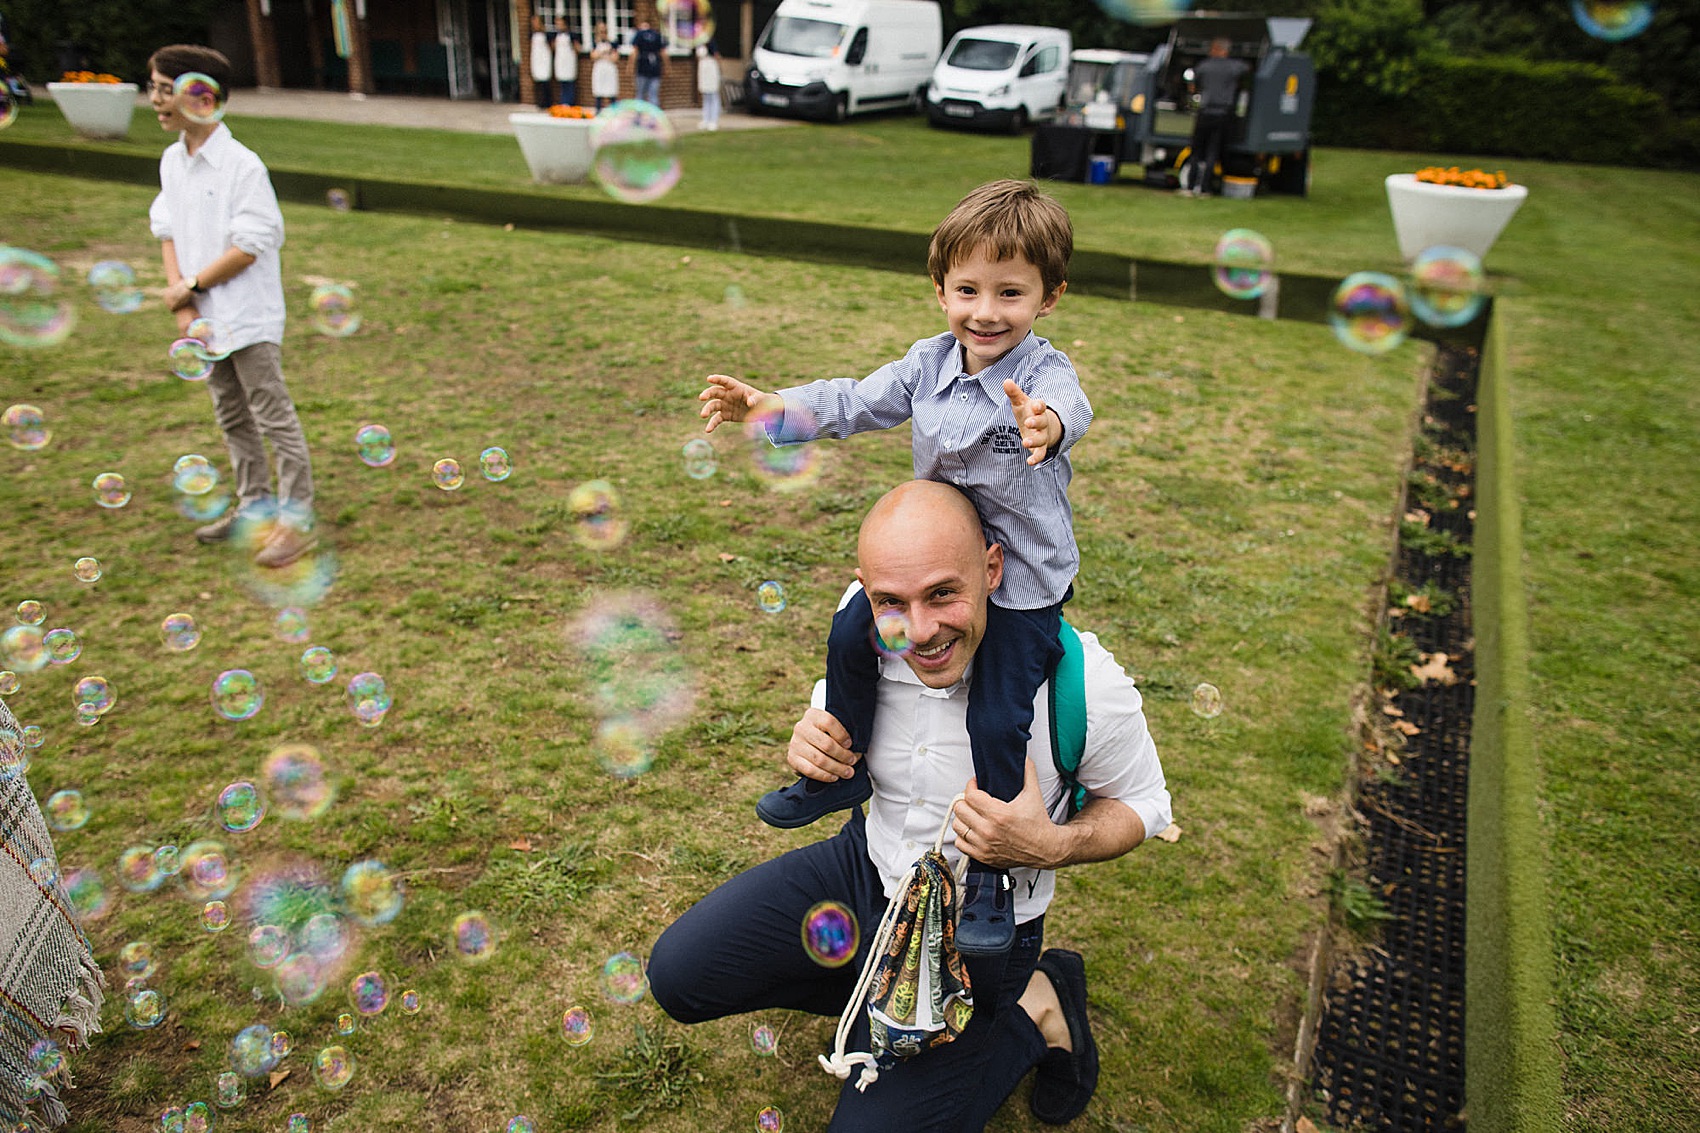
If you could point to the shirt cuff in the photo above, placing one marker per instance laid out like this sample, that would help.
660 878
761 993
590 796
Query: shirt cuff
1154 813
794 422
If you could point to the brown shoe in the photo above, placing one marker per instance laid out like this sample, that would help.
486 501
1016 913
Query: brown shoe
219 529
285 546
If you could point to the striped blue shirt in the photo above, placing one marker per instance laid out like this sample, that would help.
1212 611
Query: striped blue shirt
964 433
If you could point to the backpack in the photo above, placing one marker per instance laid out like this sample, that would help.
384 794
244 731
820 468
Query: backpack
1068 716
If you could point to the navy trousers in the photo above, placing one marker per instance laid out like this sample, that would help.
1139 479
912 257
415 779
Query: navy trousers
740 949
1016 655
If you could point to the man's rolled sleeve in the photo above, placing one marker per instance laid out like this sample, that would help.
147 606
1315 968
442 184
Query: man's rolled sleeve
1120 761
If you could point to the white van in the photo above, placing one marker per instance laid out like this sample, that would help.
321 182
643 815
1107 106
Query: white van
834 58
1001 75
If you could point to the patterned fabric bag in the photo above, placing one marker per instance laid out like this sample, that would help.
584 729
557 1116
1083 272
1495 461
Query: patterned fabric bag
913 980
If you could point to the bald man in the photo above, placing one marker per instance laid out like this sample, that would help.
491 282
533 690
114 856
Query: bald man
921 553
1217 79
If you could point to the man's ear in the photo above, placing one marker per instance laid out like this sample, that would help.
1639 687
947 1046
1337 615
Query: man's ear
994 566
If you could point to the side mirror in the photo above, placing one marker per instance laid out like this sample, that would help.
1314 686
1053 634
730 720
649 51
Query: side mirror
858 48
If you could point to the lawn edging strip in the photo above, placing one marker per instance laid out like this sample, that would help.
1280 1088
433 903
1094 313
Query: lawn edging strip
1512 1062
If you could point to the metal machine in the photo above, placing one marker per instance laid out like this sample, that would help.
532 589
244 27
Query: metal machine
1140 109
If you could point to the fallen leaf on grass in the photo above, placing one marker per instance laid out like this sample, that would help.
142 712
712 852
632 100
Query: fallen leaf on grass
1392 710
1170 833
1419 602
726 557
1393 758
1304 1125
1316 806
276 1077
522 844
192 1044
1435 668
1417 517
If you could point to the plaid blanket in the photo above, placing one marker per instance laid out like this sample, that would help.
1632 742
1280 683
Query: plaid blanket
50 986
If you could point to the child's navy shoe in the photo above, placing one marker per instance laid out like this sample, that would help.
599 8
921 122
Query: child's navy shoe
808 799
986 925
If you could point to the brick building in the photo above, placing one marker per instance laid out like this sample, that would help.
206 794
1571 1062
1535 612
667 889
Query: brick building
465 49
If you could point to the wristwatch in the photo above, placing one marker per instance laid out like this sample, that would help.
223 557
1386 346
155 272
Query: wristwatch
194 283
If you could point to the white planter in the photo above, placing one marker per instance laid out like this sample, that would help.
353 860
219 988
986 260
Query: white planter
557 150
1425 214
96 110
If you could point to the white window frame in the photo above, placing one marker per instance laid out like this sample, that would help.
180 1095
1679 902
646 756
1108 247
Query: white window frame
620 18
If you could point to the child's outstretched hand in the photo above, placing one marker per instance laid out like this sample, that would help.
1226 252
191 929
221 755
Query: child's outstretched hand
728 399
1040 428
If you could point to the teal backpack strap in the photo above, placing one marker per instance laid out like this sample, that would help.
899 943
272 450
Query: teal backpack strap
1068 716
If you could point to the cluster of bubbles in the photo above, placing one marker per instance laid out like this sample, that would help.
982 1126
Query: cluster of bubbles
93 697
33 310
634 158
199 97
641 684
1373 312
1612 20
786 467
331 307
196 482
26 428
114 285
1243 264
830 934
1206 701
690 23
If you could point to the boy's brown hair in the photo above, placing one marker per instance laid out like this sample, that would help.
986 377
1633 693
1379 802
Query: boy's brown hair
181 58
1011 218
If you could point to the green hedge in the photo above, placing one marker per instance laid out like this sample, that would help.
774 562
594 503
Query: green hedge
1510 107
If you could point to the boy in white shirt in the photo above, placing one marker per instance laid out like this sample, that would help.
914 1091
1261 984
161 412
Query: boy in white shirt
220 231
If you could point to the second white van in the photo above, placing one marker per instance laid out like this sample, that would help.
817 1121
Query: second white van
834 58
1000 76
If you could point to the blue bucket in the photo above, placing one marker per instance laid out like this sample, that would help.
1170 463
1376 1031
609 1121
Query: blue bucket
1102 169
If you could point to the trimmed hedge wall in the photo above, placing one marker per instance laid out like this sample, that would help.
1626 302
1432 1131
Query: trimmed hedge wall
1510 107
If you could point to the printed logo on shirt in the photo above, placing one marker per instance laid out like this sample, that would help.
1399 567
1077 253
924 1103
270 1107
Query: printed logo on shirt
1004 439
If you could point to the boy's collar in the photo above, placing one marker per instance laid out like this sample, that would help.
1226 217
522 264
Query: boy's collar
992 376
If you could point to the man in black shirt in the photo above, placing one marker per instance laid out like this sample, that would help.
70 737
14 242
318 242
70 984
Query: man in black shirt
1217 81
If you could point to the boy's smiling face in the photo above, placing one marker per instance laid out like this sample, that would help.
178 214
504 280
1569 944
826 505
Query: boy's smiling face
163 98
991 304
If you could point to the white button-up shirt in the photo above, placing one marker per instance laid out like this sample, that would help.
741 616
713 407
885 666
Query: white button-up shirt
919 760
221 198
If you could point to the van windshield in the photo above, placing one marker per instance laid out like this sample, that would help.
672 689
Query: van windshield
983 55
793 35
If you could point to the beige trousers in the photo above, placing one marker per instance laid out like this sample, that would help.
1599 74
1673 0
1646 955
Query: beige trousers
252 406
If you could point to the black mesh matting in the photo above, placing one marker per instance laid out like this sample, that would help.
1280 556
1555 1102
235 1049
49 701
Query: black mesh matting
1390 1040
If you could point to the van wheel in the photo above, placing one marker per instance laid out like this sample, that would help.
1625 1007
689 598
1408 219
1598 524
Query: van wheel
1018 120
841 108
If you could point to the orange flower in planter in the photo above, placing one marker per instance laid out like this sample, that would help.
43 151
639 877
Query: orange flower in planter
563 111
1464 178
88 77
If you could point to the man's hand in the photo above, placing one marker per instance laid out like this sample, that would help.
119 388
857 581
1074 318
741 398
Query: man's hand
820 748
185 316
728 399
1007 835
1041 428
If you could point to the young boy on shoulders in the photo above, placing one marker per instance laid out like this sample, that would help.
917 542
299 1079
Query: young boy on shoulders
220 230
994 411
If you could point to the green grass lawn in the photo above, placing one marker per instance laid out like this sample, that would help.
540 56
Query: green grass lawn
1215 437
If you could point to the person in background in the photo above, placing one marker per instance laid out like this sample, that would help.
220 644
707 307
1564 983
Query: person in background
566 64
542 63
708 85
651 63
1217 80
604 70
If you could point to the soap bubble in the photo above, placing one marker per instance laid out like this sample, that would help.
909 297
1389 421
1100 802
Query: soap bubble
179 632
32 311
735 297
891 633
622 748
251 1051
764 1041
205 871
699 458
599 521
333 1067
623 978
33 736
296 783
199 98
14 760
87 892
318 665
298 1123
239 807
300 979
26 428
770 1119
345 1024
303 582
494 463
474 939
446 474
372 893
25 648
137 960
9 682
1206 701
1369 312
785 467
374 445
770 596
215 916
95 693
87 569
633 663
63 646
228 1092
521 1124
332 310
110 490
369 698
204 509
169 860
268 944
577 1027
369 993
45 1057
237 695
339 199
1612 20
1446 286
409 1002
145 1009
291 625
1243 264
1144 11
689 23
43 871
198 1117
31 612
213 341
66 810
8 107
830 934
138 869
188 359
194 475
633 142
114 286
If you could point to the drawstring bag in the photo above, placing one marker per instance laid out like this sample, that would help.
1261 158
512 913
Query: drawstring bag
913 978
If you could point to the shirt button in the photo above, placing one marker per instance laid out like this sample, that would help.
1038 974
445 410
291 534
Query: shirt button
964 397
